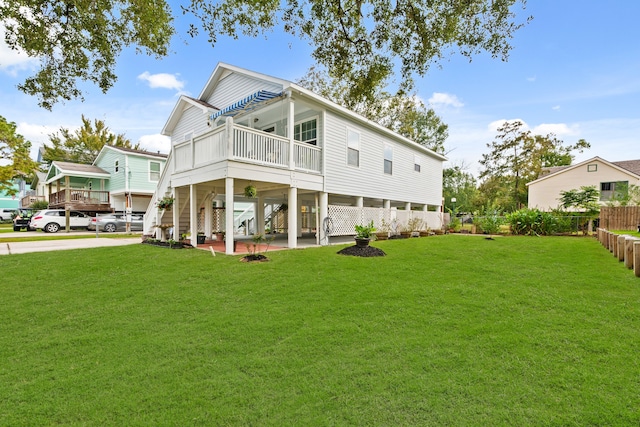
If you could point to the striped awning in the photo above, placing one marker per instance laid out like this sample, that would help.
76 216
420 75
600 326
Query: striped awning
246 104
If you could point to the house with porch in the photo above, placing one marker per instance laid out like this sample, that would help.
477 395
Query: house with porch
120 179
609 178
300 162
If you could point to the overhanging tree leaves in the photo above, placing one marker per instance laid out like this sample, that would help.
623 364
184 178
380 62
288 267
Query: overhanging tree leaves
360 41
14 153
80 40
84 144
517 156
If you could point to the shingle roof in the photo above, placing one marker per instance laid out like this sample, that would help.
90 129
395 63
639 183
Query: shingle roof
79 168
630 165
145 152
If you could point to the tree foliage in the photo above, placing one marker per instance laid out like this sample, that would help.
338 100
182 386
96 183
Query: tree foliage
15 160
362 43
407 116
84 144
516 157
585 199
461 185
81 40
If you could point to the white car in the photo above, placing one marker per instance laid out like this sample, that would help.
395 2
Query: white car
52 220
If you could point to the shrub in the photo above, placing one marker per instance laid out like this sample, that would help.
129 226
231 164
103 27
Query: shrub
532 222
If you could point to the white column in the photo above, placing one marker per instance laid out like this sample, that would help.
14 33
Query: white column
407 206
193 214
359 202
324 213
208 216
229 136
299 214
228 215
290 124
176 215
293 218
386 204
260 215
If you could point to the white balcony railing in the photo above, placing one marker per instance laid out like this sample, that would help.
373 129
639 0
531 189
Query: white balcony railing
247 145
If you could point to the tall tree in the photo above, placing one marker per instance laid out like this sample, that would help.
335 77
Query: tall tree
14 155
84 144
406 115
359 42
517 156
461 185
80 40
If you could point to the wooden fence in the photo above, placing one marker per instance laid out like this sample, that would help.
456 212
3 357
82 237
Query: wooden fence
625 248
620 217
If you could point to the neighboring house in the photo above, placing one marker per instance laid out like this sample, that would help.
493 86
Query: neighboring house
330 167
120 179
607 177
10 202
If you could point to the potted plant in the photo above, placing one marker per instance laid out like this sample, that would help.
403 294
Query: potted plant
165 203
383 232
364 234
250 191
415 225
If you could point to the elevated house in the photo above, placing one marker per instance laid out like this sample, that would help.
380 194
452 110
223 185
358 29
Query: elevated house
254 140
120 179
608 177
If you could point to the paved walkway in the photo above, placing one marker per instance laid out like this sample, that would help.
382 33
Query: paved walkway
63 244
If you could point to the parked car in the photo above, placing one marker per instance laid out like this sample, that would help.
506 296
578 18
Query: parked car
22 219
7 213
115 222
52 220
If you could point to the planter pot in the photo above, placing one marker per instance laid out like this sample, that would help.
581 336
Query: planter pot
406 234
424 233
362 243
382 236
201 239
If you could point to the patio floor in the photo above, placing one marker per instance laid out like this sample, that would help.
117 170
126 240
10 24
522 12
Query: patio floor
279 243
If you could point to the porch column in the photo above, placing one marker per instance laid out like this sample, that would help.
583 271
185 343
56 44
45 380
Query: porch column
386 204
67 200
293 218
208 215
299 230
176 214
259 209
228 215
324 213
359 202
229 136
407 206
193 214
290 125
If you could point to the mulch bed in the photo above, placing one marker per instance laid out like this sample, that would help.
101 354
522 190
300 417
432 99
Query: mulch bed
176 245
367 251
254 258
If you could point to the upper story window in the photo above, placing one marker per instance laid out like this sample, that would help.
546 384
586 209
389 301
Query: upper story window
416 163
592 168
306 131
388 159
116 166
154 171
613 190
353 148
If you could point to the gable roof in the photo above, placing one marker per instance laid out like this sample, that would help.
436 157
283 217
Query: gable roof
125 150
58 170
631 167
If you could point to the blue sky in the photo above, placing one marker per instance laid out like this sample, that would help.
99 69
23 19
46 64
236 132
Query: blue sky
574 71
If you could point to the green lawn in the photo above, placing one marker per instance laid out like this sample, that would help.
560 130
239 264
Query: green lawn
446 330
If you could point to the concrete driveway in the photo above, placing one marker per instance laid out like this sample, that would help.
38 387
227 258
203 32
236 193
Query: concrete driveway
59 245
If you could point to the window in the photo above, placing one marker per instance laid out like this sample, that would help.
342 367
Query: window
416 163
306 132
592 168
353 148
613 190
154 171
116 166
388 159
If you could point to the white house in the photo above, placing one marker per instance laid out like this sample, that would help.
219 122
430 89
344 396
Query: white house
330 167
544 192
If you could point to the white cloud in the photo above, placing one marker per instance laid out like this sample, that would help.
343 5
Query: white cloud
445 99
12 61
558 129
494 125
162 80
532 79
155 142
38 135
555 107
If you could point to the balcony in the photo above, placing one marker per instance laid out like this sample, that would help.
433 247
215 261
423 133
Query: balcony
26 201
235 142
81 200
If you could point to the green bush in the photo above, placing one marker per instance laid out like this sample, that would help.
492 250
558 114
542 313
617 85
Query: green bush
533 222
490 222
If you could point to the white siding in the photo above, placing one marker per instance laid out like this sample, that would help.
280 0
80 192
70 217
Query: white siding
235 87
545 193
369 180
192 120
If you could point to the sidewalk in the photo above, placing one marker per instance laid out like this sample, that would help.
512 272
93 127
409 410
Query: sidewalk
59 245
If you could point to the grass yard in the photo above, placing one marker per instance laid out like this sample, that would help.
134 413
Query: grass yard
446 330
